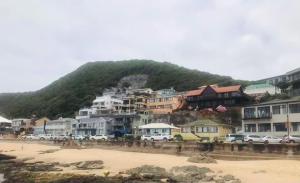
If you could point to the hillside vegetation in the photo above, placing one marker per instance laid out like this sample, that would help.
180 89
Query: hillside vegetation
77 89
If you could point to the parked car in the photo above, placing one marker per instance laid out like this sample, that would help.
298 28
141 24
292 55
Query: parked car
31 137
271 140
80 137
60 137
157 137
99 137
292 139
253 139
45 137
234 138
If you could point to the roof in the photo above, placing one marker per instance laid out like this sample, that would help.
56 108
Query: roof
217 89
293 71
259 86
227 89
194 92
157 125
204 122
4 120
278 101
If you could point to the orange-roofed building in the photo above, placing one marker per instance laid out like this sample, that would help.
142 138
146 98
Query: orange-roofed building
212 96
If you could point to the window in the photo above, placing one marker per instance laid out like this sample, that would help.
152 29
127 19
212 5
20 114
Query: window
199 129
263 112
279 127
276 109
296 126
186 130
213 129
250 128
294 108
265 127
249 113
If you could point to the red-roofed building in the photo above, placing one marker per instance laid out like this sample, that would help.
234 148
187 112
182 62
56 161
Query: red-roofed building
213 96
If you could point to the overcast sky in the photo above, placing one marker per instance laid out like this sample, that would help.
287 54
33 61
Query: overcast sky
41 41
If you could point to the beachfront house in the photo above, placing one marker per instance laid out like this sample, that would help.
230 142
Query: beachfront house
93 126
5 125
205 129
158 128
275 118
61 126
212 96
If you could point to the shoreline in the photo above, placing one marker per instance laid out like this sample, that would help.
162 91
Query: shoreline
273 171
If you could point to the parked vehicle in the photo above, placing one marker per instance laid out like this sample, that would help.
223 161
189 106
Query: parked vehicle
234 138
45 137
80 137
271 140
157 137
253 139
61 137
99 137
292 139
31 137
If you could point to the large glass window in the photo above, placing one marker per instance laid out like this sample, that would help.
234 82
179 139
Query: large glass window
276 109
250 127
249 113
265 127
279 127
263 112
294 108
296 126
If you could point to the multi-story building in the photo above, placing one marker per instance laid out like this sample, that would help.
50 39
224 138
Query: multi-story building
19 124
212 96
61 126
93 126
272 118
292 78
165 101
5 125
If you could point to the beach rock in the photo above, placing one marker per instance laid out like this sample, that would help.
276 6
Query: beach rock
89 165
190 174
149 172
201 159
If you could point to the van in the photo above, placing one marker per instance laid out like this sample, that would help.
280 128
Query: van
234 138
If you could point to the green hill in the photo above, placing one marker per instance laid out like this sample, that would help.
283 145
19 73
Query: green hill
79 88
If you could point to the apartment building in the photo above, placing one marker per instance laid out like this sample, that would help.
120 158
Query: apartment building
275 118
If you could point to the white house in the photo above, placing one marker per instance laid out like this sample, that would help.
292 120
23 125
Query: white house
5 125
61 126
272 118
157 128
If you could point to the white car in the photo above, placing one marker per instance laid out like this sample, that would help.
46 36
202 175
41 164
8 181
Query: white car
45 137
61 137
157 137
253 139
80 137
271 140
99 137
31 137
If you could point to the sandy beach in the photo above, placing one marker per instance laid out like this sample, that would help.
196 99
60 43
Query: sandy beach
266 171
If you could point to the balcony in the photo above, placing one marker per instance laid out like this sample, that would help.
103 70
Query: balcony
261 116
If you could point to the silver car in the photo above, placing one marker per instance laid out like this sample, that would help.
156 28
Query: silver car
292 139
271 140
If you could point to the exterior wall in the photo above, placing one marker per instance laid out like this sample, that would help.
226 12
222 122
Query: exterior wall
274 119
40 122
141 119
153 131
17 124
60 126
189 133
92 126
163 104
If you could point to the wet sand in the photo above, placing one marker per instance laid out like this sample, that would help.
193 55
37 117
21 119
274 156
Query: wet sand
264 171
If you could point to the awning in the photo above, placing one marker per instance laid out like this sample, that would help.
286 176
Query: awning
158 125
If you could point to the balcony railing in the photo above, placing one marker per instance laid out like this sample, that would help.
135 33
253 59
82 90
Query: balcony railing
263 116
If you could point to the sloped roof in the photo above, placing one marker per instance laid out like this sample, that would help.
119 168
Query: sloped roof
4 120
227 89
157 125
217 89
194 92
